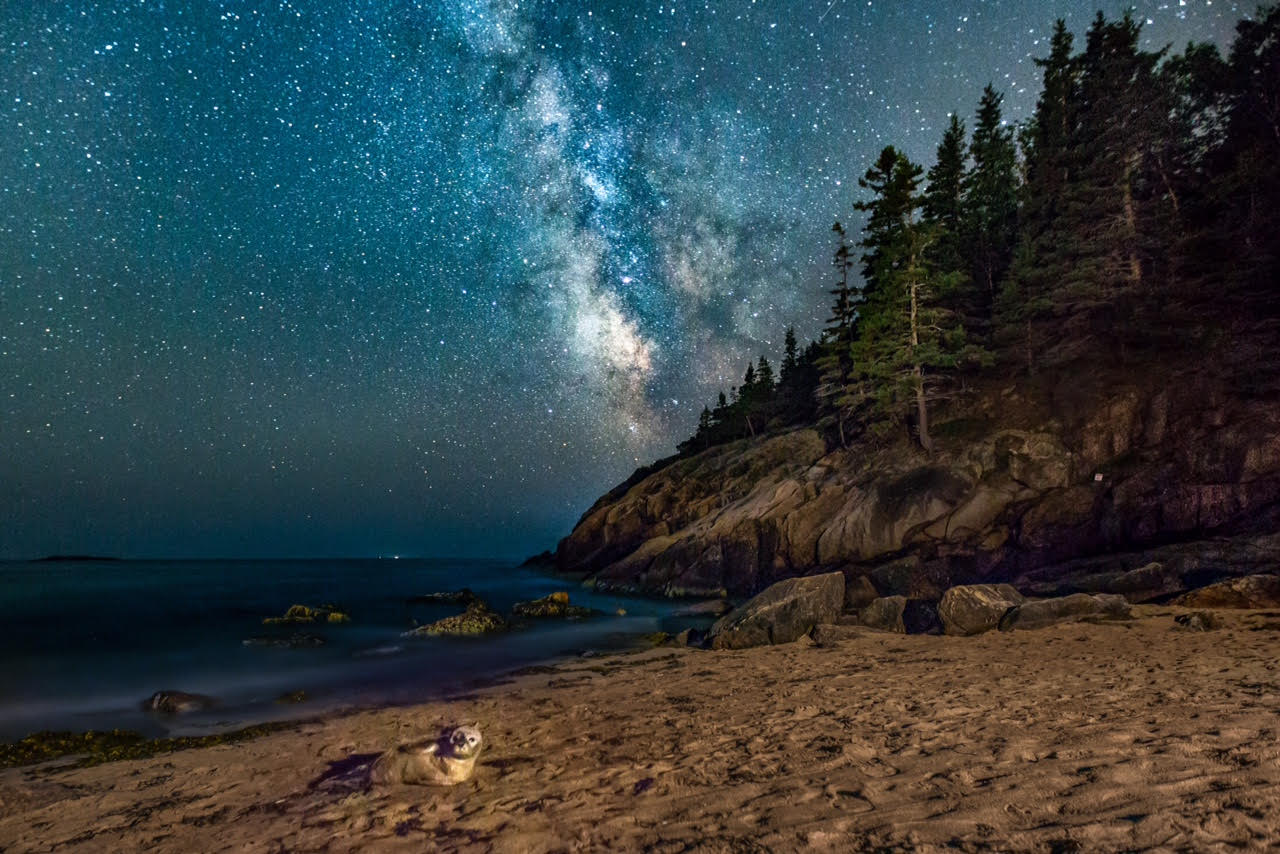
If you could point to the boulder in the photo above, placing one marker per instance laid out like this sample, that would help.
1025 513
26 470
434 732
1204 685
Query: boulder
554 605
970 609
476 620
177 702
1250 591
1042 613
859 592
783 613
885 614
920 617
1151 581
829 635
691 637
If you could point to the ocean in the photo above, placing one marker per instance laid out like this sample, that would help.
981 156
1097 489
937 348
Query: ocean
84 643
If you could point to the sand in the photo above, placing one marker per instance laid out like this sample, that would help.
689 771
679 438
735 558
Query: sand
1132 736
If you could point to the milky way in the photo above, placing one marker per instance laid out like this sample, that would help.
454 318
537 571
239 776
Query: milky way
380 277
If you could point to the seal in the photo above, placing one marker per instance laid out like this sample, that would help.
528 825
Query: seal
444 761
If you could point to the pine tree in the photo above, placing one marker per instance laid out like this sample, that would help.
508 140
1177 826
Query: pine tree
764 379
789 357
991 199
944 198
893 190
1039 262
1252 152
906 338
836 361
1111 137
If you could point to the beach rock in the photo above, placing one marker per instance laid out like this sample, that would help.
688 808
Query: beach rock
885 614
859 592
292 698
449 597
1199 621
920 617
691 637
308 614
1041 613
297 640
832 634
970 609
1251 591
555 605
476 620
783 613
177 702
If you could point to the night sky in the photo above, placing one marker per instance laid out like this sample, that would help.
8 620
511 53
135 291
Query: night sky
380 277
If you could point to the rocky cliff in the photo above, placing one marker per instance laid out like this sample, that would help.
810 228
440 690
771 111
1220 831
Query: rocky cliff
1067 487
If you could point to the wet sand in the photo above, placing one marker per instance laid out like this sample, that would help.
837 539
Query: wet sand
1107 737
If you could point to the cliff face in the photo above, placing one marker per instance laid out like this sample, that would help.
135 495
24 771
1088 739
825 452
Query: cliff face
1017 490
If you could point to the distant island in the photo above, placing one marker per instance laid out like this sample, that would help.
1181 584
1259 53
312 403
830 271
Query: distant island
74 558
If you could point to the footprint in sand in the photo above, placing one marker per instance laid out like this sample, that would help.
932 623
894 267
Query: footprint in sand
847 799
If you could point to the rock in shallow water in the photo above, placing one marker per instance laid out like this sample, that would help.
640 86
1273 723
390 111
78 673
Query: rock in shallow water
555 605
783 613
297 640
476 620
177 702
465 596
308 614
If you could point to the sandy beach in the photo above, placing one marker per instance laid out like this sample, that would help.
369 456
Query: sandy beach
1087 737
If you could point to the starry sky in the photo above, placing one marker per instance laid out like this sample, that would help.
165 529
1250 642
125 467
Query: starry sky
426 277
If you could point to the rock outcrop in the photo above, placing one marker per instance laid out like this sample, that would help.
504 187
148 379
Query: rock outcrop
782 613
1077 490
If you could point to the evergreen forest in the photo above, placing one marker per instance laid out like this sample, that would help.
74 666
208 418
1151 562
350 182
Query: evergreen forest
1134 213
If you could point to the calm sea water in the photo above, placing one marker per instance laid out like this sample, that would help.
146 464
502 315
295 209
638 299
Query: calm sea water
82 644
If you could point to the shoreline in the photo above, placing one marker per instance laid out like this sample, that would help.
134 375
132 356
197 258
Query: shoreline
138 745
1078 737
75 665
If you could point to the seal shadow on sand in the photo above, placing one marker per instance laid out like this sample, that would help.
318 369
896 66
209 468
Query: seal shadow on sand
350 774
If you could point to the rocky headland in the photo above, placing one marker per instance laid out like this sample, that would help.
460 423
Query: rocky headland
1147 483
